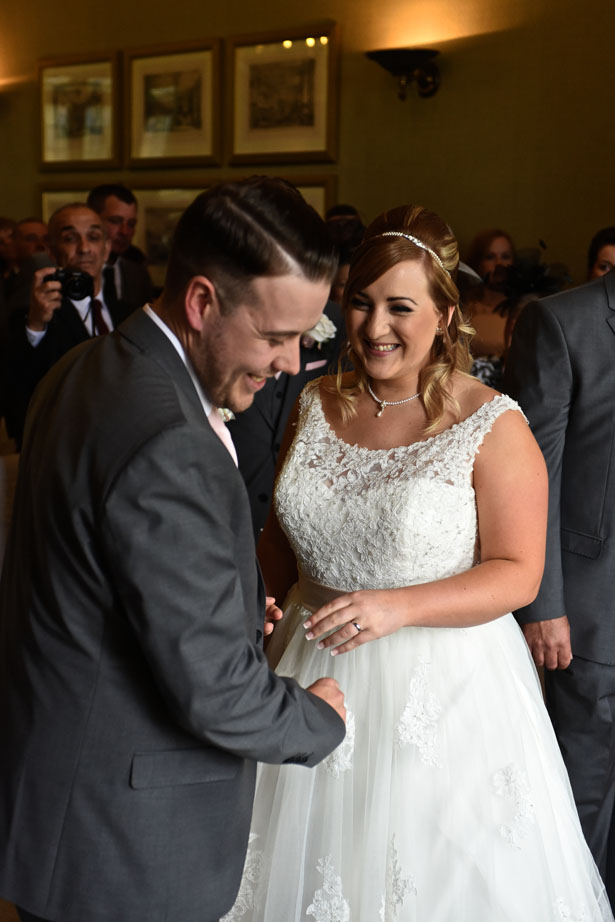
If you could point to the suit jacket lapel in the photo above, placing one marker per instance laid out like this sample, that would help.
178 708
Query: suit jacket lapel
71 318
146 336
609 284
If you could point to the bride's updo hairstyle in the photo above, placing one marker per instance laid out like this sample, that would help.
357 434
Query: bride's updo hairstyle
382 248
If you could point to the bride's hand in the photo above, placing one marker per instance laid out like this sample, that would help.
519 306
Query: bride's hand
359 617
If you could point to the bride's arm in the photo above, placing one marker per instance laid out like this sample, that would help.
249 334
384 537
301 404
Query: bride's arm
510 481
274 553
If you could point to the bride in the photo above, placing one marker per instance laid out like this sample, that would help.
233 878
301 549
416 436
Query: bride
410 515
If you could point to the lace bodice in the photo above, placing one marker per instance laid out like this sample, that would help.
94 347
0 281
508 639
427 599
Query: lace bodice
360 518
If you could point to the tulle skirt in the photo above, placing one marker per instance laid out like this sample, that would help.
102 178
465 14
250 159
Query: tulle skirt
448 800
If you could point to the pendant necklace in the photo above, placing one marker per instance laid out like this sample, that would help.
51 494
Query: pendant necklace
389 403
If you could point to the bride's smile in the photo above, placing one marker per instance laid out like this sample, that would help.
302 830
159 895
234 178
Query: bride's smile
391 325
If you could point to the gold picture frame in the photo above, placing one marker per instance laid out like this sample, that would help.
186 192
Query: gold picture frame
284 90
79 109
161 204
172 110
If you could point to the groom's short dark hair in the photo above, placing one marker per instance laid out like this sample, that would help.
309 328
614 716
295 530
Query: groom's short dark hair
239 231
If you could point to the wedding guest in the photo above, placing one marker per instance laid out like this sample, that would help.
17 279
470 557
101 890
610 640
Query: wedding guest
126 275
490 255
561 369
60 315
601 253
347 234
31 236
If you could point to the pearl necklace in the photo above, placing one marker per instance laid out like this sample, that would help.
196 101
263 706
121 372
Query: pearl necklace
389 403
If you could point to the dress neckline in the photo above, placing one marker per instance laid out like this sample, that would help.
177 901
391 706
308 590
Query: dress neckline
410 445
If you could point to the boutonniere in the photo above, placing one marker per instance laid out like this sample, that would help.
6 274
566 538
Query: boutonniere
321 333
227 415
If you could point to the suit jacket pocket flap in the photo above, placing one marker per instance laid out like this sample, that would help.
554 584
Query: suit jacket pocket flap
183 766
584 545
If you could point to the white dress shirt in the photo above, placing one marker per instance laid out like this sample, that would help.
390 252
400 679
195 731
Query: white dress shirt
85 312
211 412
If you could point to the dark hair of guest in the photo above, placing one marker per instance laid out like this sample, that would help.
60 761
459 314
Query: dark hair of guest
99 195
604 238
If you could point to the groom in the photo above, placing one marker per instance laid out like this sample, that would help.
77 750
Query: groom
134 696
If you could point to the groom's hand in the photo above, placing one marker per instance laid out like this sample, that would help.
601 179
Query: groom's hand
329 691
272 614
549 642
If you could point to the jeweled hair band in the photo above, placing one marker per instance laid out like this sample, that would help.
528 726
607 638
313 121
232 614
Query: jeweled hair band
418 243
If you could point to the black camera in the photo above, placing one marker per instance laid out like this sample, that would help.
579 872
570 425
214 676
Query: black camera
76 285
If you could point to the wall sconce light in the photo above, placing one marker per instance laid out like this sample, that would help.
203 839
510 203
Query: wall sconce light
410 64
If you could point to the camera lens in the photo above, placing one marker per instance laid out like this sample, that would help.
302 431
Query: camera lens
78 285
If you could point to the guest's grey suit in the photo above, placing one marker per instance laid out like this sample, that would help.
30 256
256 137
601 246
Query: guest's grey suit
561 369
134 695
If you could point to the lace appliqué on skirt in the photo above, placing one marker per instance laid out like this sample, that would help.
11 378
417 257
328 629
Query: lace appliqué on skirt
340 759
512 784
419 722
563 913
329 904
251 876
397 887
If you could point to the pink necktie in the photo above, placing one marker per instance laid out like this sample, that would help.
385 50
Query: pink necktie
219 426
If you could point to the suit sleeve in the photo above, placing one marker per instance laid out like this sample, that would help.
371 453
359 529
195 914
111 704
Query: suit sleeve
175 561
539 377
24 367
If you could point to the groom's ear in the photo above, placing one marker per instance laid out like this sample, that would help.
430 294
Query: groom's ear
200 301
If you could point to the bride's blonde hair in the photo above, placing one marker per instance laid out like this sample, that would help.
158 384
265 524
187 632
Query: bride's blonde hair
378 253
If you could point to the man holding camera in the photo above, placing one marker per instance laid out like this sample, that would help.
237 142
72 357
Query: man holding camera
67 307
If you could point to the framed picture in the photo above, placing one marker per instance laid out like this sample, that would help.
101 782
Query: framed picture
54 197
159 211
161 207
172 104
318 191
79 112
284 94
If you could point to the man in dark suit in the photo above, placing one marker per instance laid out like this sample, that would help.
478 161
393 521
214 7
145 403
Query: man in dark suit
257 433
135 697
125 274
561 369
54 322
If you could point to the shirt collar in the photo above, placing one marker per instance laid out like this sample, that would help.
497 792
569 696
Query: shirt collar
83 306
168 332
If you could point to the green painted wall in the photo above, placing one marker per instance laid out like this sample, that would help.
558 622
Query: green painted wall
520 134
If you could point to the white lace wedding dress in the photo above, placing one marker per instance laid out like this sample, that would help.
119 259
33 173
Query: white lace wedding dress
448 800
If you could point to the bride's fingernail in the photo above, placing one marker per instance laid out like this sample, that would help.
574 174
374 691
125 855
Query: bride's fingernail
320 645
309 635
334 652
307 624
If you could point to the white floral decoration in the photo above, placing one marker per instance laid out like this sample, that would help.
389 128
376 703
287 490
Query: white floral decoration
251 876
563 913
340 760
419 722
227 415
511 783
329 904
398 886
322 331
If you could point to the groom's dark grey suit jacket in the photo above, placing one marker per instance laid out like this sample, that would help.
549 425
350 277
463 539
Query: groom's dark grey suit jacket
561 369
134 695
